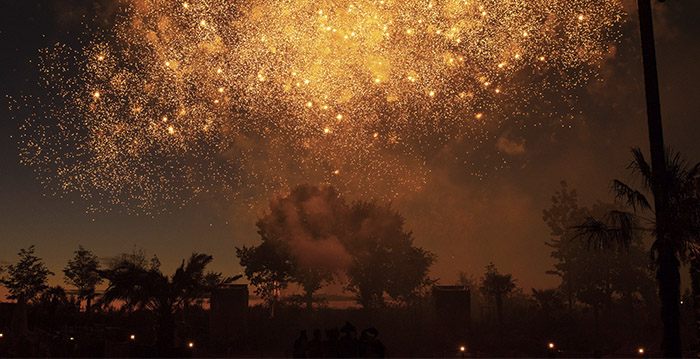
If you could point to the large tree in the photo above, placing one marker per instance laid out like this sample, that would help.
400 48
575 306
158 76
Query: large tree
82 272
268 268
312 236
299 233
384 258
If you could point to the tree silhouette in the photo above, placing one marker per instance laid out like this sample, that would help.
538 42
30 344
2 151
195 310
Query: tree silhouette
560 217
193 283
24 280
56 309
143 286
267 268
495 286
547 300
384 259
594 280
82 272
681 228
312 237
294 233
27 278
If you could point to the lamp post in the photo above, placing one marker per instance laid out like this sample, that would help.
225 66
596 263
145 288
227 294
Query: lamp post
668 274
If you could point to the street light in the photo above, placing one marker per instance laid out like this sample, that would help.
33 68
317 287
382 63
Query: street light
190 345
640 351
462 348
550 345
132 337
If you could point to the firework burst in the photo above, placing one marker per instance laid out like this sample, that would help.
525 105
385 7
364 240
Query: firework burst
244 98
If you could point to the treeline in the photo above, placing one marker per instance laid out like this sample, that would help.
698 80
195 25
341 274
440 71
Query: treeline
135 283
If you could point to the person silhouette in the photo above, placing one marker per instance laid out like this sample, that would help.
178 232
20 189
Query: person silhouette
316 345
374 348
331 347
349 345
301 345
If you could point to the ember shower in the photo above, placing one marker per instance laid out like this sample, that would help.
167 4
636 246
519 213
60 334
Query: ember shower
239 99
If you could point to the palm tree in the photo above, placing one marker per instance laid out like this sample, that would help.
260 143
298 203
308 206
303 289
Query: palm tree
146 287
547 300
496 286
680 242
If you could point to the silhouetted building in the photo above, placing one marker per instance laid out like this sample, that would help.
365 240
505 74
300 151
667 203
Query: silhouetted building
453 310
228 317
7 310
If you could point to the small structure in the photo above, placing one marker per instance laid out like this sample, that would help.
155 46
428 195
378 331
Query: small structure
453 311
228 317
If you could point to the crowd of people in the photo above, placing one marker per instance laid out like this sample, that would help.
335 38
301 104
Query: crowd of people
343 343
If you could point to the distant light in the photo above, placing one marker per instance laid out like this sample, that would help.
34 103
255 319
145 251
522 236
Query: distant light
551 345
132 337
72 339
640 350
190 345
2 335
462 348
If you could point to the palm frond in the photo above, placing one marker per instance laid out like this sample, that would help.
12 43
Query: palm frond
640 166
694 172
630 196
616 230
597 234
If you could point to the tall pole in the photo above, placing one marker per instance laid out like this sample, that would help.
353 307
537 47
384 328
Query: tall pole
668 273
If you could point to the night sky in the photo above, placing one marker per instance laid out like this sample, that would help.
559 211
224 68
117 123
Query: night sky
466 221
